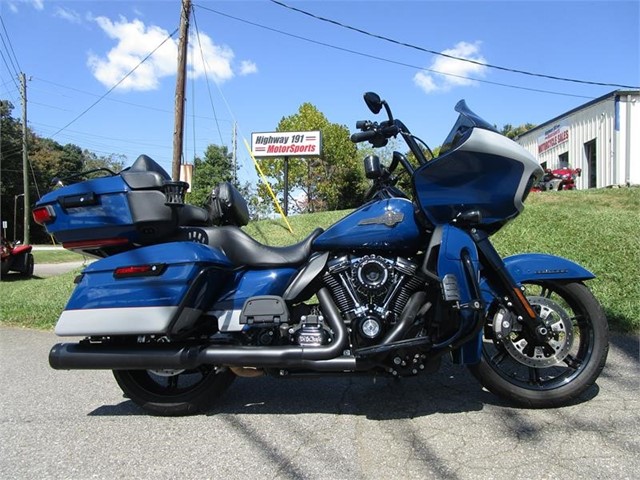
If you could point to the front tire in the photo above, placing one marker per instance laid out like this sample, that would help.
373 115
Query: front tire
555 374
177 392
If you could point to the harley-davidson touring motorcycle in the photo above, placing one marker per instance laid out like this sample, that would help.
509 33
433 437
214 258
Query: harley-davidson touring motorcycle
182 300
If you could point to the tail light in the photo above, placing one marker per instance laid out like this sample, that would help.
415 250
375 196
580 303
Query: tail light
94 244
44 214
150 270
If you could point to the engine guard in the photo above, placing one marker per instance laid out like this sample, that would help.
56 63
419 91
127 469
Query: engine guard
458 257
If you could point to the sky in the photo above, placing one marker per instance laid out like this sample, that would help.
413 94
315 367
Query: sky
92 79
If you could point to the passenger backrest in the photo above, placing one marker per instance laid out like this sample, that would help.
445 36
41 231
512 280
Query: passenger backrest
227 206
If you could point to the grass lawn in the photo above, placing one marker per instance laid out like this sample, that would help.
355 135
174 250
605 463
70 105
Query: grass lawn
599 229
56 256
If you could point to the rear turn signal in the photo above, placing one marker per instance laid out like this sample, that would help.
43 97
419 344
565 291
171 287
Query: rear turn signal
44 214
152 270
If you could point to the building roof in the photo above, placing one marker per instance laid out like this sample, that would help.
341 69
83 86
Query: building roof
609 95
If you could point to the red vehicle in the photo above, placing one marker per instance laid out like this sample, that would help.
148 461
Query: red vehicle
16 258
558 179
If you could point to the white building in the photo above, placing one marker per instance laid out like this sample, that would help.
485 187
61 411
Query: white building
601 137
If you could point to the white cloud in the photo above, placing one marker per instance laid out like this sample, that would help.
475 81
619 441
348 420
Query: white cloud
247 67
135 41
13 4
452 72
206 56
68 14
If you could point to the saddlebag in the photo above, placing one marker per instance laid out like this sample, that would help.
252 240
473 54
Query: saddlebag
160 289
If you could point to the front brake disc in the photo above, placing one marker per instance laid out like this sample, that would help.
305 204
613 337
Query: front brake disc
552 351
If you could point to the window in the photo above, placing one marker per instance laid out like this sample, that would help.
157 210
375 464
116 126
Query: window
563 160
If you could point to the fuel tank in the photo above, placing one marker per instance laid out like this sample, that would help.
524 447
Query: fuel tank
381 225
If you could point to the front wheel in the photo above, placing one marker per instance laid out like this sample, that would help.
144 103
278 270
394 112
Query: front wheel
175 392
546 374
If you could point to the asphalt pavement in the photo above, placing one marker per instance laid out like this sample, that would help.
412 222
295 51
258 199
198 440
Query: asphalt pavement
44 270
78 425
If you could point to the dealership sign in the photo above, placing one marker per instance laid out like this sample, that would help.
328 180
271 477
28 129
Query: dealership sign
552 137
286 144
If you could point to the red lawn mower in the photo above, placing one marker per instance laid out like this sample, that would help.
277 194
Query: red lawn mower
16 258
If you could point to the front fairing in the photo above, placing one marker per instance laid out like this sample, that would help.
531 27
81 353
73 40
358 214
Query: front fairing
484 172
478 170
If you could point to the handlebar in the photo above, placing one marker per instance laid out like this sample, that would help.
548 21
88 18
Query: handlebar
375 133
363 136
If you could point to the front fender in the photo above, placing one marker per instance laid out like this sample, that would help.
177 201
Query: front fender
531 267
527 267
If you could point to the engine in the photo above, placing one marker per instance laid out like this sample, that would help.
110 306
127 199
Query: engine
371 291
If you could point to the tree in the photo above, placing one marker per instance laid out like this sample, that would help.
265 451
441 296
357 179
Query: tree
215 167
51 160
512 132
333 181
11 177
11 151
113 161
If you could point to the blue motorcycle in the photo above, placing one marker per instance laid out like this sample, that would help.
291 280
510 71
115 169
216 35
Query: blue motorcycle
182 300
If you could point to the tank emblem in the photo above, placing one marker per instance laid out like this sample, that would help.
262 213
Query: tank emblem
388 218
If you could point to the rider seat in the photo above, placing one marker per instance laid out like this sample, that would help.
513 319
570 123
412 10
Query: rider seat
242 250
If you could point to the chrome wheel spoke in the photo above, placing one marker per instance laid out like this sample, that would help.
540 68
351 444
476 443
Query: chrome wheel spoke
572 362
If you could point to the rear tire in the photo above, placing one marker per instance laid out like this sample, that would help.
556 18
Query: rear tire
527 377
175 393
28 266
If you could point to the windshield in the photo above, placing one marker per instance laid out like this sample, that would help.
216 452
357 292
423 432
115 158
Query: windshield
466 121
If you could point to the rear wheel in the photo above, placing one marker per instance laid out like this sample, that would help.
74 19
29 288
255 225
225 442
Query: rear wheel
557 371
175 392
28 266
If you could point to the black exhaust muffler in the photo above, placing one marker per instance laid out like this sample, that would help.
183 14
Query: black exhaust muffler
96 356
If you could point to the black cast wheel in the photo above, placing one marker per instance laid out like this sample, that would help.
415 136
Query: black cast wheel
550 373
175 392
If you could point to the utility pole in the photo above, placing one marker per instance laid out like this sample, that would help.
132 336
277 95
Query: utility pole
25 159
178 132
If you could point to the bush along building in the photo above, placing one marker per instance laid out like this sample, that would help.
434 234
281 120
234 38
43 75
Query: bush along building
601 138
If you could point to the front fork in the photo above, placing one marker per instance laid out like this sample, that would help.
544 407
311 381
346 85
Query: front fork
495 271
463 257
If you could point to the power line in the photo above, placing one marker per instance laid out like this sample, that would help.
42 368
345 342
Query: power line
18 69
433 52
382 59
206 76
117 84
124 102
11 75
